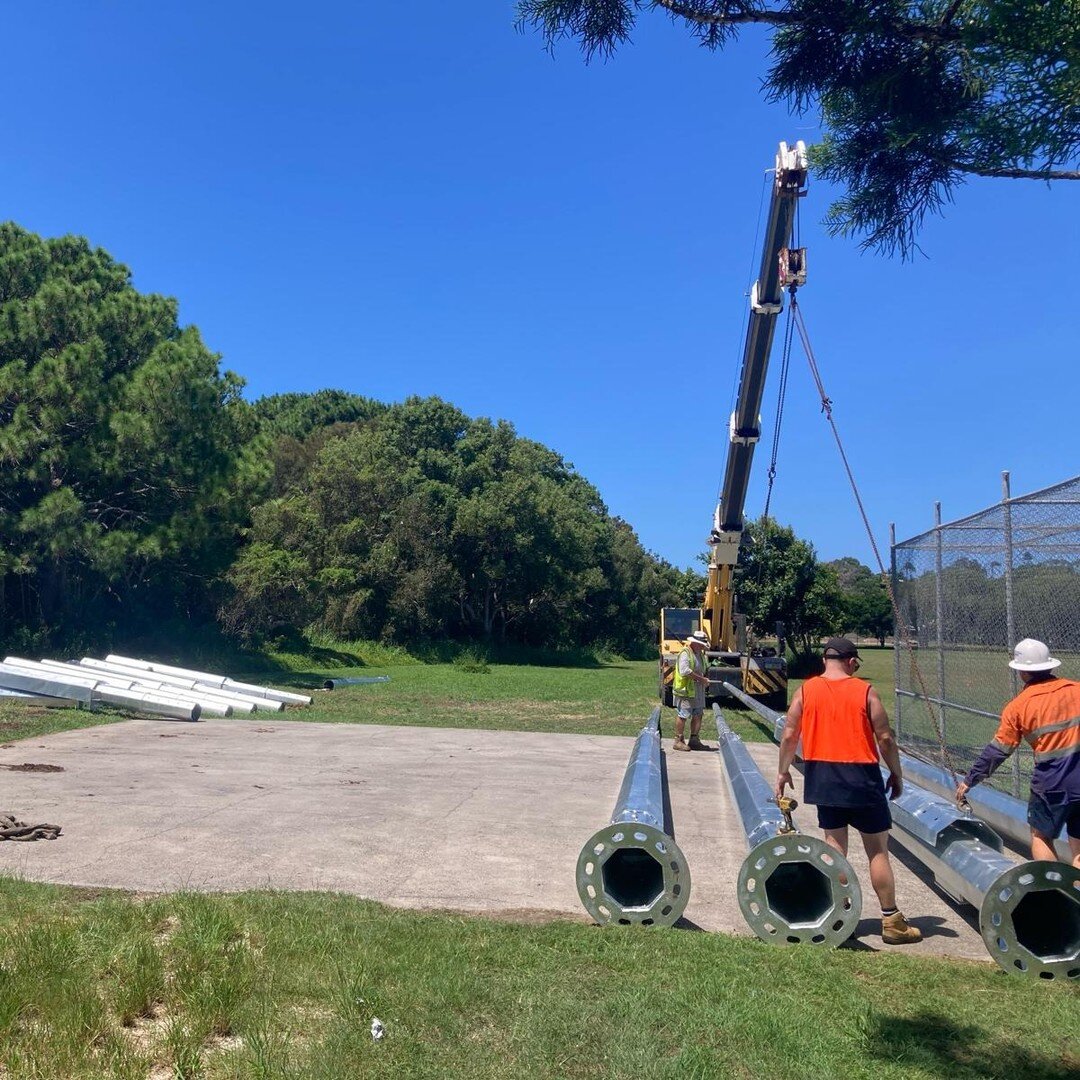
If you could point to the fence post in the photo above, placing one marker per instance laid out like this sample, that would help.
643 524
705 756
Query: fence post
1010 614
939 618
896 625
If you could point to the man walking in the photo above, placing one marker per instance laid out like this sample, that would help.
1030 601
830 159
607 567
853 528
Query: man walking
1046 713
688 691
840 718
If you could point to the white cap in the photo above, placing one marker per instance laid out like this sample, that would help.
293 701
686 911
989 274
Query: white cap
1032 655
698 637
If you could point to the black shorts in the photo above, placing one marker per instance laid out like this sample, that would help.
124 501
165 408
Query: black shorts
867 819
1048 813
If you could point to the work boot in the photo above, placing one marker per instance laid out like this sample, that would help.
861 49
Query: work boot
678 744
895 930
696 743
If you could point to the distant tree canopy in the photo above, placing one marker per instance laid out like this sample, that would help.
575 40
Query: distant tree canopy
914 95
866 606
124 471
422 522
779 579
973 602
138 487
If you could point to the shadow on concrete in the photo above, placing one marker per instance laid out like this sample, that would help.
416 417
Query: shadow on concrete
683 923
935 1045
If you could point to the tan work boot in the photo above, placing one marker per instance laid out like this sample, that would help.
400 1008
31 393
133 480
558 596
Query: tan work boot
678 744
696 743
895 930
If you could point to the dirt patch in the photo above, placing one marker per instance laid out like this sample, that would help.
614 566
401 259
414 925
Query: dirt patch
29 766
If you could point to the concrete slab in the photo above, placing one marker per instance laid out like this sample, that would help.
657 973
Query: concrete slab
425 818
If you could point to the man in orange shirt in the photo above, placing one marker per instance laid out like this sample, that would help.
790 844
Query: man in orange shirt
1046 713
843 725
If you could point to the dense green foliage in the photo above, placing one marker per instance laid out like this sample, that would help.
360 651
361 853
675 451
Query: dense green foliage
125 451
914 95
421 522
139 489
867 608
779 579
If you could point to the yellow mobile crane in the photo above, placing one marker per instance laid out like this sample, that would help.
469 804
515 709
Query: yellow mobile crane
759 671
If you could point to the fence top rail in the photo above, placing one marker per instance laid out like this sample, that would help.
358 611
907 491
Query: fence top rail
947 704
1040 497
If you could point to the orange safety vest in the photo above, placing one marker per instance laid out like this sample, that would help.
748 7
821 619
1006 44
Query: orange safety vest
836 721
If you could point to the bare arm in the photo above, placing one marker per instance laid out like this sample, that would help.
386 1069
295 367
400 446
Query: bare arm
886 741
789 743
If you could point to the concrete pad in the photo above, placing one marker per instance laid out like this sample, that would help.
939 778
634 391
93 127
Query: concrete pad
426 818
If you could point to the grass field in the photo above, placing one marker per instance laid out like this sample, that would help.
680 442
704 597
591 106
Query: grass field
615 698
287 986
96 984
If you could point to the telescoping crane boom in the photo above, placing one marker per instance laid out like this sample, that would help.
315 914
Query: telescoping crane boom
760 672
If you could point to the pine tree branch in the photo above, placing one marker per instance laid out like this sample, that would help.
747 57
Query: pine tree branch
939 32
694 14
1012 174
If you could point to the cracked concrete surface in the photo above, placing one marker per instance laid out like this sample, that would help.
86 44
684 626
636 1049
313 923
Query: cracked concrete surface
467 820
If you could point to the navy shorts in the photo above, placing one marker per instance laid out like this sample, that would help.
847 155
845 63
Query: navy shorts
1048 813
867 819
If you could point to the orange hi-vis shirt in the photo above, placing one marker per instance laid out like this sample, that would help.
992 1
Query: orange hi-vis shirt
836 721
838 744
1047 715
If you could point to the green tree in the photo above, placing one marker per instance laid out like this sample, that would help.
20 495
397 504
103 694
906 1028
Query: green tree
866 605
914 95
125 477
423 522
779 579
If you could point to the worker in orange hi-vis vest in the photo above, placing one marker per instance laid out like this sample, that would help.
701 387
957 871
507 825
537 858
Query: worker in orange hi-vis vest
843 725
1047 714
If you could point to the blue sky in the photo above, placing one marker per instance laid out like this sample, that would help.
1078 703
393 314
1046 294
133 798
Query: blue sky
417 199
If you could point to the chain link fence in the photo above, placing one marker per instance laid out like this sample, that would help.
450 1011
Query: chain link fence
967 591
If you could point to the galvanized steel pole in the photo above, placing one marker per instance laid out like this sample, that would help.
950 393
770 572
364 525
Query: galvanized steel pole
1029 913
792 887
631 872
1004 813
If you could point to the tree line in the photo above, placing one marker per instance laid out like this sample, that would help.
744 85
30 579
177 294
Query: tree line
141 494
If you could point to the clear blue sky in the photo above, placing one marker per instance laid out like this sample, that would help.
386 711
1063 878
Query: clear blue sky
400 199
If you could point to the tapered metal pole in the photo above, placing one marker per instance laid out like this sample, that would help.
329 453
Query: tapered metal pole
1004 813
1029 913
792 888
631 872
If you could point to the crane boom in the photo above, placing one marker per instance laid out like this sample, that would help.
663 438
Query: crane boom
780 266
758 672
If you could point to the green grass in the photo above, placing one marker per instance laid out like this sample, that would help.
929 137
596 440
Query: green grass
612 698
270 985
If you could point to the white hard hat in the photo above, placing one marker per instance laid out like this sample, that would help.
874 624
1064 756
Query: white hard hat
698 637
1032 655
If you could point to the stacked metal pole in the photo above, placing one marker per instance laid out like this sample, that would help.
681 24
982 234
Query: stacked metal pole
631 872
1029 913
792 888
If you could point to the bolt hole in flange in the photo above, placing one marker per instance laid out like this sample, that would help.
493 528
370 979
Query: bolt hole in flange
1030 920
804 887
635 877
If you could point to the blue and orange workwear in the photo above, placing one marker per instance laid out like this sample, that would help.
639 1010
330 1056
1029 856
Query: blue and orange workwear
838 744
1046 713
